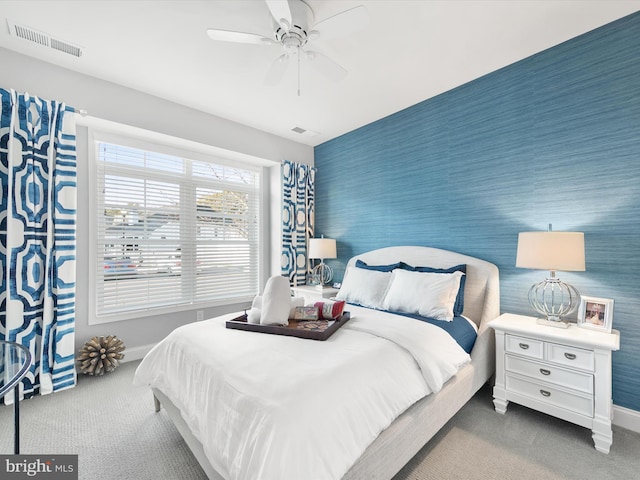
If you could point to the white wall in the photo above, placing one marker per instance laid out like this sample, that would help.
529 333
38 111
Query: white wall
115 103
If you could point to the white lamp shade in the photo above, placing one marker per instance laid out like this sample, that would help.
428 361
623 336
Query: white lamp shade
553 251
322 248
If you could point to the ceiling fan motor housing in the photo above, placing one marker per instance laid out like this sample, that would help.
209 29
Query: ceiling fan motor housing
292 40
296 36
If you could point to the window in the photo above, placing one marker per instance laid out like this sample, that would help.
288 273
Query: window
172 232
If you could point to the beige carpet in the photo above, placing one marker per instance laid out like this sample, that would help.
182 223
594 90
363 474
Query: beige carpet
479 444
112 426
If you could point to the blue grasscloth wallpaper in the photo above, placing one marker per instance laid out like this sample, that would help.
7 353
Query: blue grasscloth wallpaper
554 138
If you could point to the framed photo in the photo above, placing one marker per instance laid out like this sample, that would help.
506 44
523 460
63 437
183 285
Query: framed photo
595 313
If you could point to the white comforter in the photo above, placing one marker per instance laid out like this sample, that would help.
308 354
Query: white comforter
271 407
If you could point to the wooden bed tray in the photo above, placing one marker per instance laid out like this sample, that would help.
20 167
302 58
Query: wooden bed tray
310 329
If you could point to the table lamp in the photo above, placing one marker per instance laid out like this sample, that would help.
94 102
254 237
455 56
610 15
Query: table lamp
323 248
553 251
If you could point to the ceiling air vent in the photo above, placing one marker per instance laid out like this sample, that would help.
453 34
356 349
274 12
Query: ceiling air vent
44 39
302 131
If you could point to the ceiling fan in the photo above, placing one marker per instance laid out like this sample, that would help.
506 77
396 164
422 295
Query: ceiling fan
294 29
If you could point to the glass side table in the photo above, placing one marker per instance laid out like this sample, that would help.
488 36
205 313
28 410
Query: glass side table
15 360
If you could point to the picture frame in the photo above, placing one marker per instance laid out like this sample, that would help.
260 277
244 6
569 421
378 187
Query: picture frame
595 313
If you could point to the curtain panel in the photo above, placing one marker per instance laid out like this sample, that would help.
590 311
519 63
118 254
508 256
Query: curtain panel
38 237
298 212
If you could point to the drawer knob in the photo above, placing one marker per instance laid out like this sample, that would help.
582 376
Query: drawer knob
570 356
544 371
545 393
524 346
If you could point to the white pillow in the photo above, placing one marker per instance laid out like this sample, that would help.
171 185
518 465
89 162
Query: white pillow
427 294
364 287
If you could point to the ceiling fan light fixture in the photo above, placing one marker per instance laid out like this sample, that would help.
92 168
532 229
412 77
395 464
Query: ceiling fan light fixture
291 45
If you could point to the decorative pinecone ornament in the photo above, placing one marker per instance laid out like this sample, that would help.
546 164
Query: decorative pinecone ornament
100 355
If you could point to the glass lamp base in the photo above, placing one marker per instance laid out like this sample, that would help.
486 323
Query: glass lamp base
553 299
553 323
324 272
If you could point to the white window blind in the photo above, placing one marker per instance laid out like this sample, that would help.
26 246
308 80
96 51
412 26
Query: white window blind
173 231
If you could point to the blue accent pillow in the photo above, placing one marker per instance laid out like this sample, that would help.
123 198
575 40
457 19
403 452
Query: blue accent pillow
458 306
379 268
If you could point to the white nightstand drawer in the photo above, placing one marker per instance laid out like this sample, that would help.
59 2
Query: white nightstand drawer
552 374
524 346
571 356
552 395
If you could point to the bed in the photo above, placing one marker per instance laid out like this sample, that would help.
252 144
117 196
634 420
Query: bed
276 398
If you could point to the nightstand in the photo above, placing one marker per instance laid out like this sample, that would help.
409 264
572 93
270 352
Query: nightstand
313 294
561 372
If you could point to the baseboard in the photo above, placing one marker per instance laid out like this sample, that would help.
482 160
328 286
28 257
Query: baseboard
136 353
626 418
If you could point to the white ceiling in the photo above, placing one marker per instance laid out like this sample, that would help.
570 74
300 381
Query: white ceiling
411 50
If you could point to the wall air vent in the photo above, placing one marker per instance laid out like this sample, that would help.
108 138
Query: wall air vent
35 36
66 47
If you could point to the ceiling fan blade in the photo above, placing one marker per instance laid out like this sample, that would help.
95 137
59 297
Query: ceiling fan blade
281 12
238 37
326 66
343 23
276 70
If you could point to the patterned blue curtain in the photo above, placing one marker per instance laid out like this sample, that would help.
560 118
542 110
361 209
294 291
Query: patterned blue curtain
298 209
38 236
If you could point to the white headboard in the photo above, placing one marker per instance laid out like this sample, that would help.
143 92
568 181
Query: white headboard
482 287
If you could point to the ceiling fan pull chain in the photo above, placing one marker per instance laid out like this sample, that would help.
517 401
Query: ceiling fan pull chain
298 71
